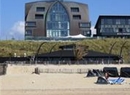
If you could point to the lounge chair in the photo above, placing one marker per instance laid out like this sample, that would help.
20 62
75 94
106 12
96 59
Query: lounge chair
116 81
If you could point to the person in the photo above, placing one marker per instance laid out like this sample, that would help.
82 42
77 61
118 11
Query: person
106 75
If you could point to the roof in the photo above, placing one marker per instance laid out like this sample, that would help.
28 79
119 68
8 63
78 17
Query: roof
70 54
68 46
110 16
67 1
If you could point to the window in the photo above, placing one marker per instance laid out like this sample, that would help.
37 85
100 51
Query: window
107 26
74 9
28 33
128 21
77 17
118 21
30 23
85 25
122 21
108 30
102 21
102 26
40 9
120 30
39 16
57 23
109 21
86 32
128 30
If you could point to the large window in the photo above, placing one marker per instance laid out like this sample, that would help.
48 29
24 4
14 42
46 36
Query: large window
57 23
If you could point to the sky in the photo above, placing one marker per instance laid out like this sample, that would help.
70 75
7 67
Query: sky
12 14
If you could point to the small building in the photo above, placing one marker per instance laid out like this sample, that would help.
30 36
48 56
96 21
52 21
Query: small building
113 26
66 55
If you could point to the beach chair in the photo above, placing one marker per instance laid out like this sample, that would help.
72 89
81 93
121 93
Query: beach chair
97 72
90 74
125 72
113 72
101 80
116 81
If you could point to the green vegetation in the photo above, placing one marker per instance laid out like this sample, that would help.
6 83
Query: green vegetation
8 48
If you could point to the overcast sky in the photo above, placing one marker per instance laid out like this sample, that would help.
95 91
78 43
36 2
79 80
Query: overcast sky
12 14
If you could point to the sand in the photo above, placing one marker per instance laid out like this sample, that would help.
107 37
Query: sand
19 80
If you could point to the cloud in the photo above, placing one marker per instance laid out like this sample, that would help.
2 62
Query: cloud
18 27
93 30
17 30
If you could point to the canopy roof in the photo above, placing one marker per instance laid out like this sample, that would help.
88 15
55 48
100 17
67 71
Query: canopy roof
77 36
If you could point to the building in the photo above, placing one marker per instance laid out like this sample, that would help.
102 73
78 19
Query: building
66 55
113 26
52 19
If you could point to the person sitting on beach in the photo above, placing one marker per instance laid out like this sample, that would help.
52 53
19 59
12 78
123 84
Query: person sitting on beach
106 75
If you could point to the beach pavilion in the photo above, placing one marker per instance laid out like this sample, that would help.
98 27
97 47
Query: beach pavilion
66 55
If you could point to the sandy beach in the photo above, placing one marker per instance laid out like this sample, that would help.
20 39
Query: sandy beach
19 80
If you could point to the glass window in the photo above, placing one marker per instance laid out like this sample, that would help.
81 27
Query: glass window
114 21
85 25
77 17
109 21
118 21
122 21
57 23
107 26
28 33
116 29
102 21
74 9
108 30
124 30
86 32
31 23
40 9
128 29
128 21
39 16
102 26
120 30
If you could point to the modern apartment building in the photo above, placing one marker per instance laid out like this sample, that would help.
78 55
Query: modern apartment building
56 19
113 26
